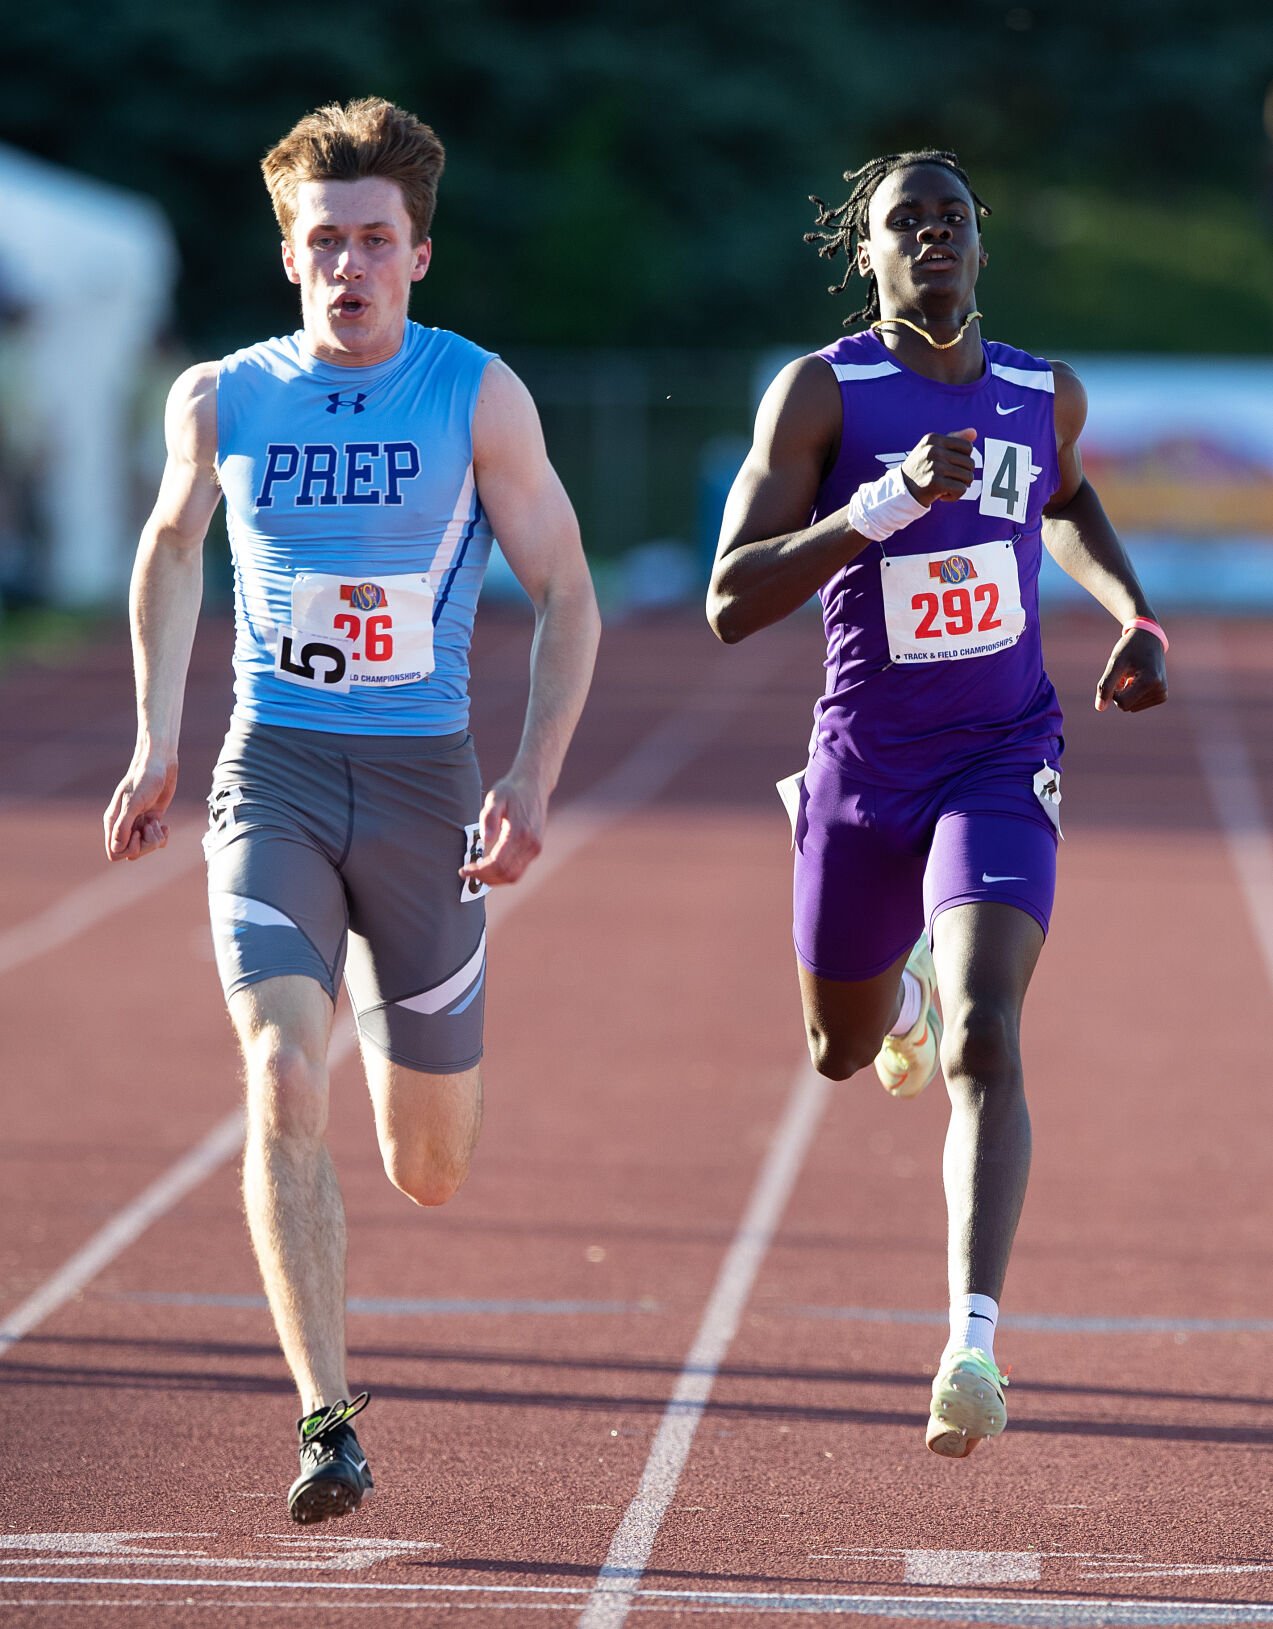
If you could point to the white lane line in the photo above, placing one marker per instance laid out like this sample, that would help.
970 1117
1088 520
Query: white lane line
1018 1611
971 1567
107 894
394 1306
1235 793
344 1553
221 1143
636 780
1040 1323
620 1577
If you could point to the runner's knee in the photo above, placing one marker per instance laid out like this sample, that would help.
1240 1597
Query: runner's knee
980 1050
839 1056
425 1176
286 1088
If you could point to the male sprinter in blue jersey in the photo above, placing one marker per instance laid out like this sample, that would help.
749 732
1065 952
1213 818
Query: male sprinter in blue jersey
367 463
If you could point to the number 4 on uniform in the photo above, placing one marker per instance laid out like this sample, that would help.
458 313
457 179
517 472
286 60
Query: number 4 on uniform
1005 479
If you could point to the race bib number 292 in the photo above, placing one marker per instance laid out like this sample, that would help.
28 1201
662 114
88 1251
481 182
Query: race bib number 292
949 607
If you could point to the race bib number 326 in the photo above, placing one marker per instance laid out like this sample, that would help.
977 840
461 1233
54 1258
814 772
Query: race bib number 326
347 632
949 607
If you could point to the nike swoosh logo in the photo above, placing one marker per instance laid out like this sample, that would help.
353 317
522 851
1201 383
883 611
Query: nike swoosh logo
360 1465
1004 411
986 877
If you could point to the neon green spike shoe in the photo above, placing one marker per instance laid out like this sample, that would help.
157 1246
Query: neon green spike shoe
334 1474
967 1403
906 1063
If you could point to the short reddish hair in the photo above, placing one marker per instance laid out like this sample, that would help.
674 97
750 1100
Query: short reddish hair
370 137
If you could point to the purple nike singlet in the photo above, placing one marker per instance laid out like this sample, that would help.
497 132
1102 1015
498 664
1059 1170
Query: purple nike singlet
933 650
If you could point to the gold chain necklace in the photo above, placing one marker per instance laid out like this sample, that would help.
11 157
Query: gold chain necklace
972 316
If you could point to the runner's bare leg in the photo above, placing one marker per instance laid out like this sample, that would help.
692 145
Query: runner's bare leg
985 956
427 1125
295 1214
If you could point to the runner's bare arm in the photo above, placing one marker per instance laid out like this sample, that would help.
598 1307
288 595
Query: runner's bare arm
770 560
1082 541
535 524
167 588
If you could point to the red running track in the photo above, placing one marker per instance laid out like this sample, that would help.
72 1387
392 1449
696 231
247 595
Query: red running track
666 1357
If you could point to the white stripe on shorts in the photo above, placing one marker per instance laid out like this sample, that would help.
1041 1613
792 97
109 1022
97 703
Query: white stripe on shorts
435 999
239 908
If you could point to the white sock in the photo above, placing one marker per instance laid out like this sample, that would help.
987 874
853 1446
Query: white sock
912 995
972 1323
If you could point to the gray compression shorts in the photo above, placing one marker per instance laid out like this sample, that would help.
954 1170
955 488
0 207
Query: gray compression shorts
336 853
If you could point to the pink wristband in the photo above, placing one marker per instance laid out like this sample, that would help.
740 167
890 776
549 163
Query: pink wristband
1149 626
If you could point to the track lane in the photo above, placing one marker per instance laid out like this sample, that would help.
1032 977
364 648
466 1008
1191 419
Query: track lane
624 1135
1149 1195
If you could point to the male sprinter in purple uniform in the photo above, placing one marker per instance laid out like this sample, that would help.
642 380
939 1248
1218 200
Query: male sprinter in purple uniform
367 464
909 475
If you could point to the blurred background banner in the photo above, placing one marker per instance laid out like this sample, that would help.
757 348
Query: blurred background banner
622 218
86 273
1181 451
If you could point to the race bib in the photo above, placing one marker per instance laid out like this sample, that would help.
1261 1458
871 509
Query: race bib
1047 788
347 632
1006 474
948 607
789 791
470 887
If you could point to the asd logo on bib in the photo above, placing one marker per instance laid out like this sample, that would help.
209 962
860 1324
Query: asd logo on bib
950 607
956 568
367 596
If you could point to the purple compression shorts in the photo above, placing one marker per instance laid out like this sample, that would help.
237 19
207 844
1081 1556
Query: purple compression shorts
875 866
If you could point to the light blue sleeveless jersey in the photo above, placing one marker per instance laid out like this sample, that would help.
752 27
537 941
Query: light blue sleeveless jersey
358 539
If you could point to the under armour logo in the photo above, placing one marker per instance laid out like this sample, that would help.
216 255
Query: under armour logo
335 402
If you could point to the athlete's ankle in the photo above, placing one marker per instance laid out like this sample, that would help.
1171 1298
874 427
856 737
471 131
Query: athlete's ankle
973 1320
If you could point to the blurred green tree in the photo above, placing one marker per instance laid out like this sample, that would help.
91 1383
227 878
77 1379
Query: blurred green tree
637 175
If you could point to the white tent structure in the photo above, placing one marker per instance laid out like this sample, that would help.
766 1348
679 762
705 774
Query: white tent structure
93 268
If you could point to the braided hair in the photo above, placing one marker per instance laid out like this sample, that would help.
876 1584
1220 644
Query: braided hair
842 227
